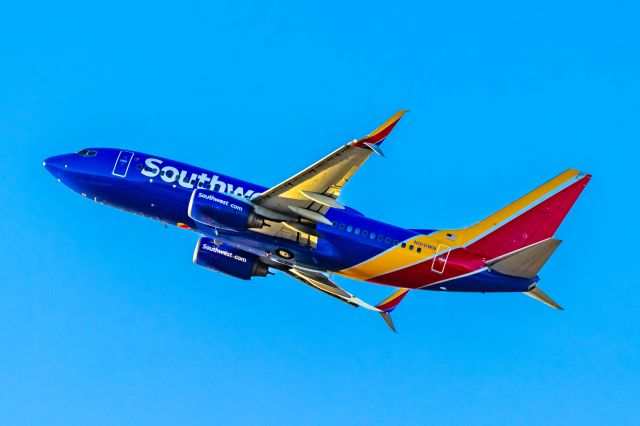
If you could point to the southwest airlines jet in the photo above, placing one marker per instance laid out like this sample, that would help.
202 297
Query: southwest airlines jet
299 227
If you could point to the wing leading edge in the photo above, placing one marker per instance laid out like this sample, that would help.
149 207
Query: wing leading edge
309 194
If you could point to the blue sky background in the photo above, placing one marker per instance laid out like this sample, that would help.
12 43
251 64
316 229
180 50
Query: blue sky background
104 319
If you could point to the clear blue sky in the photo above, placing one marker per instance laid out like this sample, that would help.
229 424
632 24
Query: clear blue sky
104 320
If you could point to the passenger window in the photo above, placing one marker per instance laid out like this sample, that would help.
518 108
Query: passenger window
380 237
404 245
395 242
349 228
372 235
365 233
356 231
199 184
335 223
411 247
419 249
387 240
342 226
139 166
162 173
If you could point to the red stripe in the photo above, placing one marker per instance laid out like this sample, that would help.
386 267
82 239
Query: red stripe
459 263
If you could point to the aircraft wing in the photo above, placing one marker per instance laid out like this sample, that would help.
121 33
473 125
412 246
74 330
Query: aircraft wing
310 193
322 282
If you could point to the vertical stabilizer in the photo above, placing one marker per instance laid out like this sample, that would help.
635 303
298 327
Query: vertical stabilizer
529 220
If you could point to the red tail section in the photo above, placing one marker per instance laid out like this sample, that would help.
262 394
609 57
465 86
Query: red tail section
529 220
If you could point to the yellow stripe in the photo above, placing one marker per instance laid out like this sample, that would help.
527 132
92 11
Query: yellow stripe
398 257
394 119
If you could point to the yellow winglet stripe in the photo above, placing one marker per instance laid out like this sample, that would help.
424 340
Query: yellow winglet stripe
381 132
388 303
394 118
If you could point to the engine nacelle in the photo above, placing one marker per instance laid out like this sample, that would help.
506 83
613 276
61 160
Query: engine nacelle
228 260
222 210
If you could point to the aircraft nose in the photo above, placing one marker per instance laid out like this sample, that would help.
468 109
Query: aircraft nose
55 165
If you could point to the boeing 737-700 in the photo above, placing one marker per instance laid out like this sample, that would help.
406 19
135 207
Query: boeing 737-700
300 228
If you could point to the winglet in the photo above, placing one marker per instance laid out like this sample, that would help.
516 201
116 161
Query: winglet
379 135
386 316
389 304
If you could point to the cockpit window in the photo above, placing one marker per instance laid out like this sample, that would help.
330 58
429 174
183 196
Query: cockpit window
87 153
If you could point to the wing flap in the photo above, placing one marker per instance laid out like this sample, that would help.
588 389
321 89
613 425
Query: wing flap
322 282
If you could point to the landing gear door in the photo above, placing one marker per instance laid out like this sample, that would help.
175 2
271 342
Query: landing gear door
440 261
122 163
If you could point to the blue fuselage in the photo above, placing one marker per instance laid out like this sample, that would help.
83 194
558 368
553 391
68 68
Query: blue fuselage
161 189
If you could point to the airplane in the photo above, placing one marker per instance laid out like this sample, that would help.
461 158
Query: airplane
300 228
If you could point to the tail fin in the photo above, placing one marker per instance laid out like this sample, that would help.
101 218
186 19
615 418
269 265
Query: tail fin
518 239
528 220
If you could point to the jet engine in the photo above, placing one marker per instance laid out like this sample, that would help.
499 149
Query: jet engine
228 260
222 210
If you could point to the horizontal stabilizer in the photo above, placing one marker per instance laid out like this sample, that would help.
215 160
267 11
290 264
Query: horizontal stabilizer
526 262
541 296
